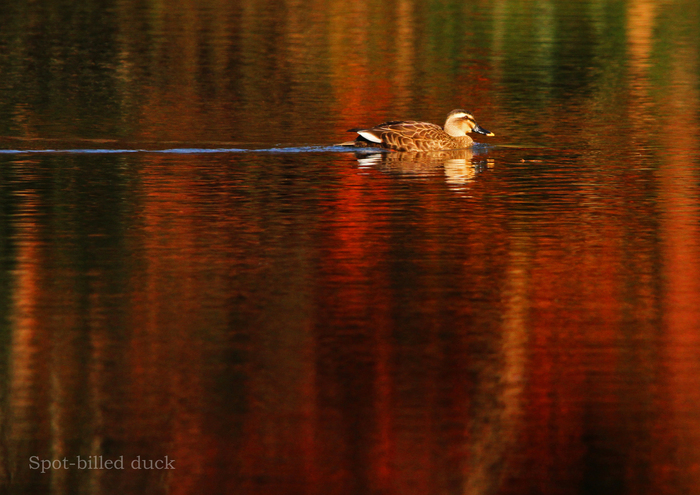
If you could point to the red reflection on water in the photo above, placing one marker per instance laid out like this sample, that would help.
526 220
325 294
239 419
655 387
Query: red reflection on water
681 250
407 343
355 444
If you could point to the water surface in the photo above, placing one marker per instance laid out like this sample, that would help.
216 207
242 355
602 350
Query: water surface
191 271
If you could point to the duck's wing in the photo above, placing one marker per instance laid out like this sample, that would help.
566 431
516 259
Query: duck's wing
406 135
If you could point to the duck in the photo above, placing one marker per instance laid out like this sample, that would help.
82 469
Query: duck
410 135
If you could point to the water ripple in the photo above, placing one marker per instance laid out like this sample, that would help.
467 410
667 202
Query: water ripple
184 151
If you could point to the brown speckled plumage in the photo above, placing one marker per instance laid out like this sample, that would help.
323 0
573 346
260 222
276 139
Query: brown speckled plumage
422 136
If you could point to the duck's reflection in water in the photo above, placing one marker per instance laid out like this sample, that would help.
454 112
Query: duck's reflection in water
460 167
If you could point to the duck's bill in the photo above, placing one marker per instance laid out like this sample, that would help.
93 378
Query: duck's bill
483 131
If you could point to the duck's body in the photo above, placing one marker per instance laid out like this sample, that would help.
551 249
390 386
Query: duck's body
410 135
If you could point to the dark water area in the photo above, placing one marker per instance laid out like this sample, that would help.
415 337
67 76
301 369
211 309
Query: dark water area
201 293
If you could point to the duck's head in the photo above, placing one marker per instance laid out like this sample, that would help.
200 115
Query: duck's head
461 122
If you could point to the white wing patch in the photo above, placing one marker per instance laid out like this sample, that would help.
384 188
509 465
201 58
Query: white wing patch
369 136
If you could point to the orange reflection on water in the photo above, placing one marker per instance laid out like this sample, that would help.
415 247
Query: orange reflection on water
29 368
